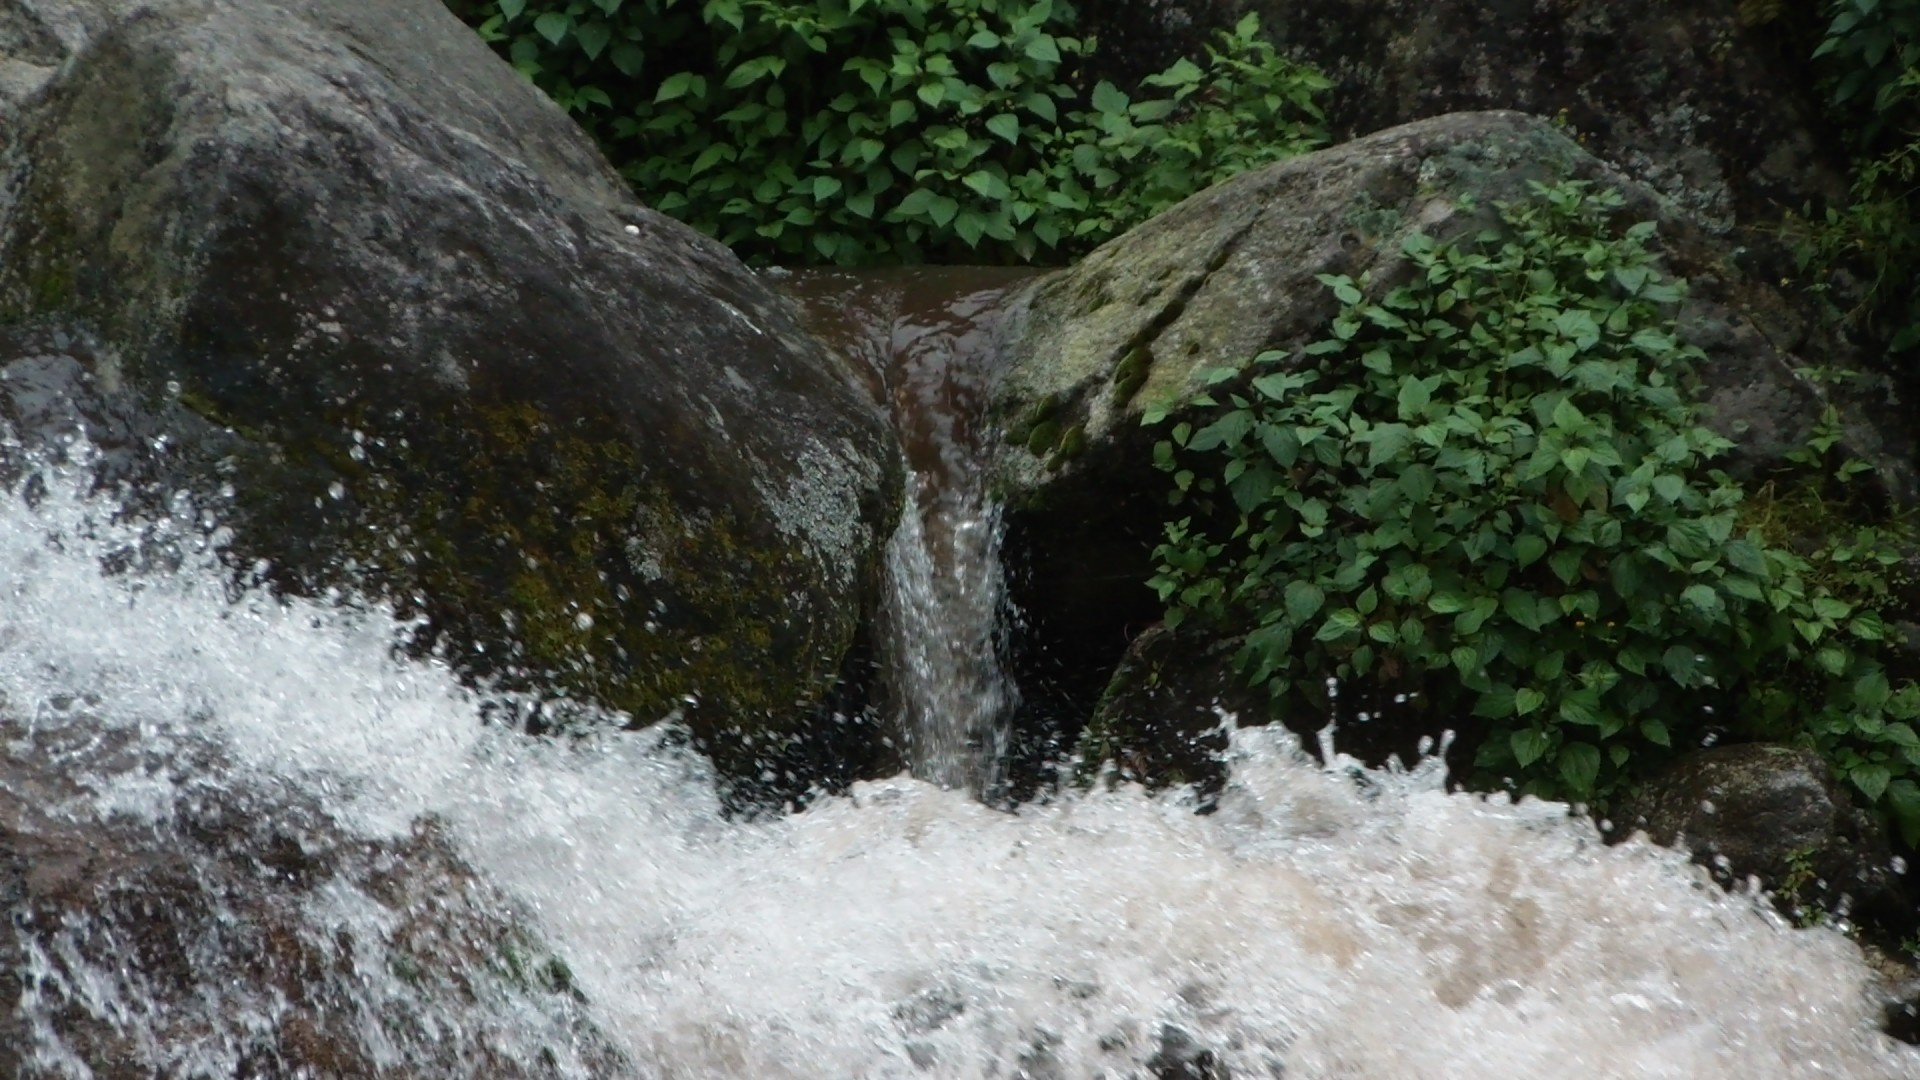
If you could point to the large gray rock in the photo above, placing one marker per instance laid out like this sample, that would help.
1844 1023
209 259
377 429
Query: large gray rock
1699 99
337 255
1776 813
1232 272
224 926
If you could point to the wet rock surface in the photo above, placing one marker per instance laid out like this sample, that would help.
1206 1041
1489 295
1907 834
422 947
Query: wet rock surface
159 915
1776 813
335 258
1233 272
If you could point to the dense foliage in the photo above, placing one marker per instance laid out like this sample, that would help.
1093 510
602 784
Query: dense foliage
1487 494
855 131
1871 54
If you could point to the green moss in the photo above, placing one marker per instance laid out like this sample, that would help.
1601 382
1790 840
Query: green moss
1130 374
1022 431
1073 443
1043 437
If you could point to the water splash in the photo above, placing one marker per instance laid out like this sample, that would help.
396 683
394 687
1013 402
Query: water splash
1315 926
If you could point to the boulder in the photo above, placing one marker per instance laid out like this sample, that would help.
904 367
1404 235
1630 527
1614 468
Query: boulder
1231 273
1776 813
334 271
168 917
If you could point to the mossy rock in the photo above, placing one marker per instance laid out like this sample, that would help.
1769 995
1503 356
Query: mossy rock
346 261
1234 272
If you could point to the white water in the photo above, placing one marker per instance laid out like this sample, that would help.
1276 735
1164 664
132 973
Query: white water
942 606
1313 928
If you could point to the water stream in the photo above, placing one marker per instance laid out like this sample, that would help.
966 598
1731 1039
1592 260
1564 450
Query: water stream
925 339
1321 924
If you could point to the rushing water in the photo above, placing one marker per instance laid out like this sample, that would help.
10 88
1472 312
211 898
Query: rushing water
925 339
1320 924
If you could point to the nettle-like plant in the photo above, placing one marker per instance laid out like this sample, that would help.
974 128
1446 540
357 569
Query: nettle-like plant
1487 490
854 131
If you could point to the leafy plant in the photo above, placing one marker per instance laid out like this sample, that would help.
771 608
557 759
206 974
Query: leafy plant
1871 52
1487 491
854 131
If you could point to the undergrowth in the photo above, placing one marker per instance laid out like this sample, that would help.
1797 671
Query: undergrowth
1487 492
863 131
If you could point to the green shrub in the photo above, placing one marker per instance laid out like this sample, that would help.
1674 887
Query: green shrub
854 131
1871 56
1487 491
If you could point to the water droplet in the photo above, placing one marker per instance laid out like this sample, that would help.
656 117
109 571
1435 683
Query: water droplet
336 491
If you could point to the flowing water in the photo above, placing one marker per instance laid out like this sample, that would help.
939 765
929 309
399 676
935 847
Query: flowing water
1320 924
925 338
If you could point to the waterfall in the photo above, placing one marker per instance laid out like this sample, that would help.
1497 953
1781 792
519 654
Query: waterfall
926 338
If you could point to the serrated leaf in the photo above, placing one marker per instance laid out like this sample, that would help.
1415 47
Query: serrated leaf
553 26
1705 602
675 86
1303 600
1580 766
1006 126
1871 778
1415 395
1529 745
1341 624
1528 549
1656 733
1042 48
593 37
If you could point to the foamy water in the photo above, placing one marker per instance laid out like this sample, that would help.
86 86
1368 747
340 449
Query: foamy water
1316 926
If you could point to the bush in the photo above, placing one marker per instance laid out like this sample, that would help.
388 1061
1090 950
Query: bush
1871 53
856 131
1486 494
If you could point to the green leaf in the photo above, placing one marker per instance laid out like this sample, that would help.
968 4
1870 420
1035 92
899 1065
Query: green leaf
1705 602
1903 799
1415 395
553 26
1871 778
1303 600
1579 766
1528 549
1006 126
1828 607
1656 732
1529 745
1343 623
593 37
1527 699
1684 665
1108 99
1042 48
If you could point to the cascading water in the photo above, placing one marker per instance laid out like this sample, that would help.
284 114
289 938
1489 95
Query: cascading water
926 337
1321 924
